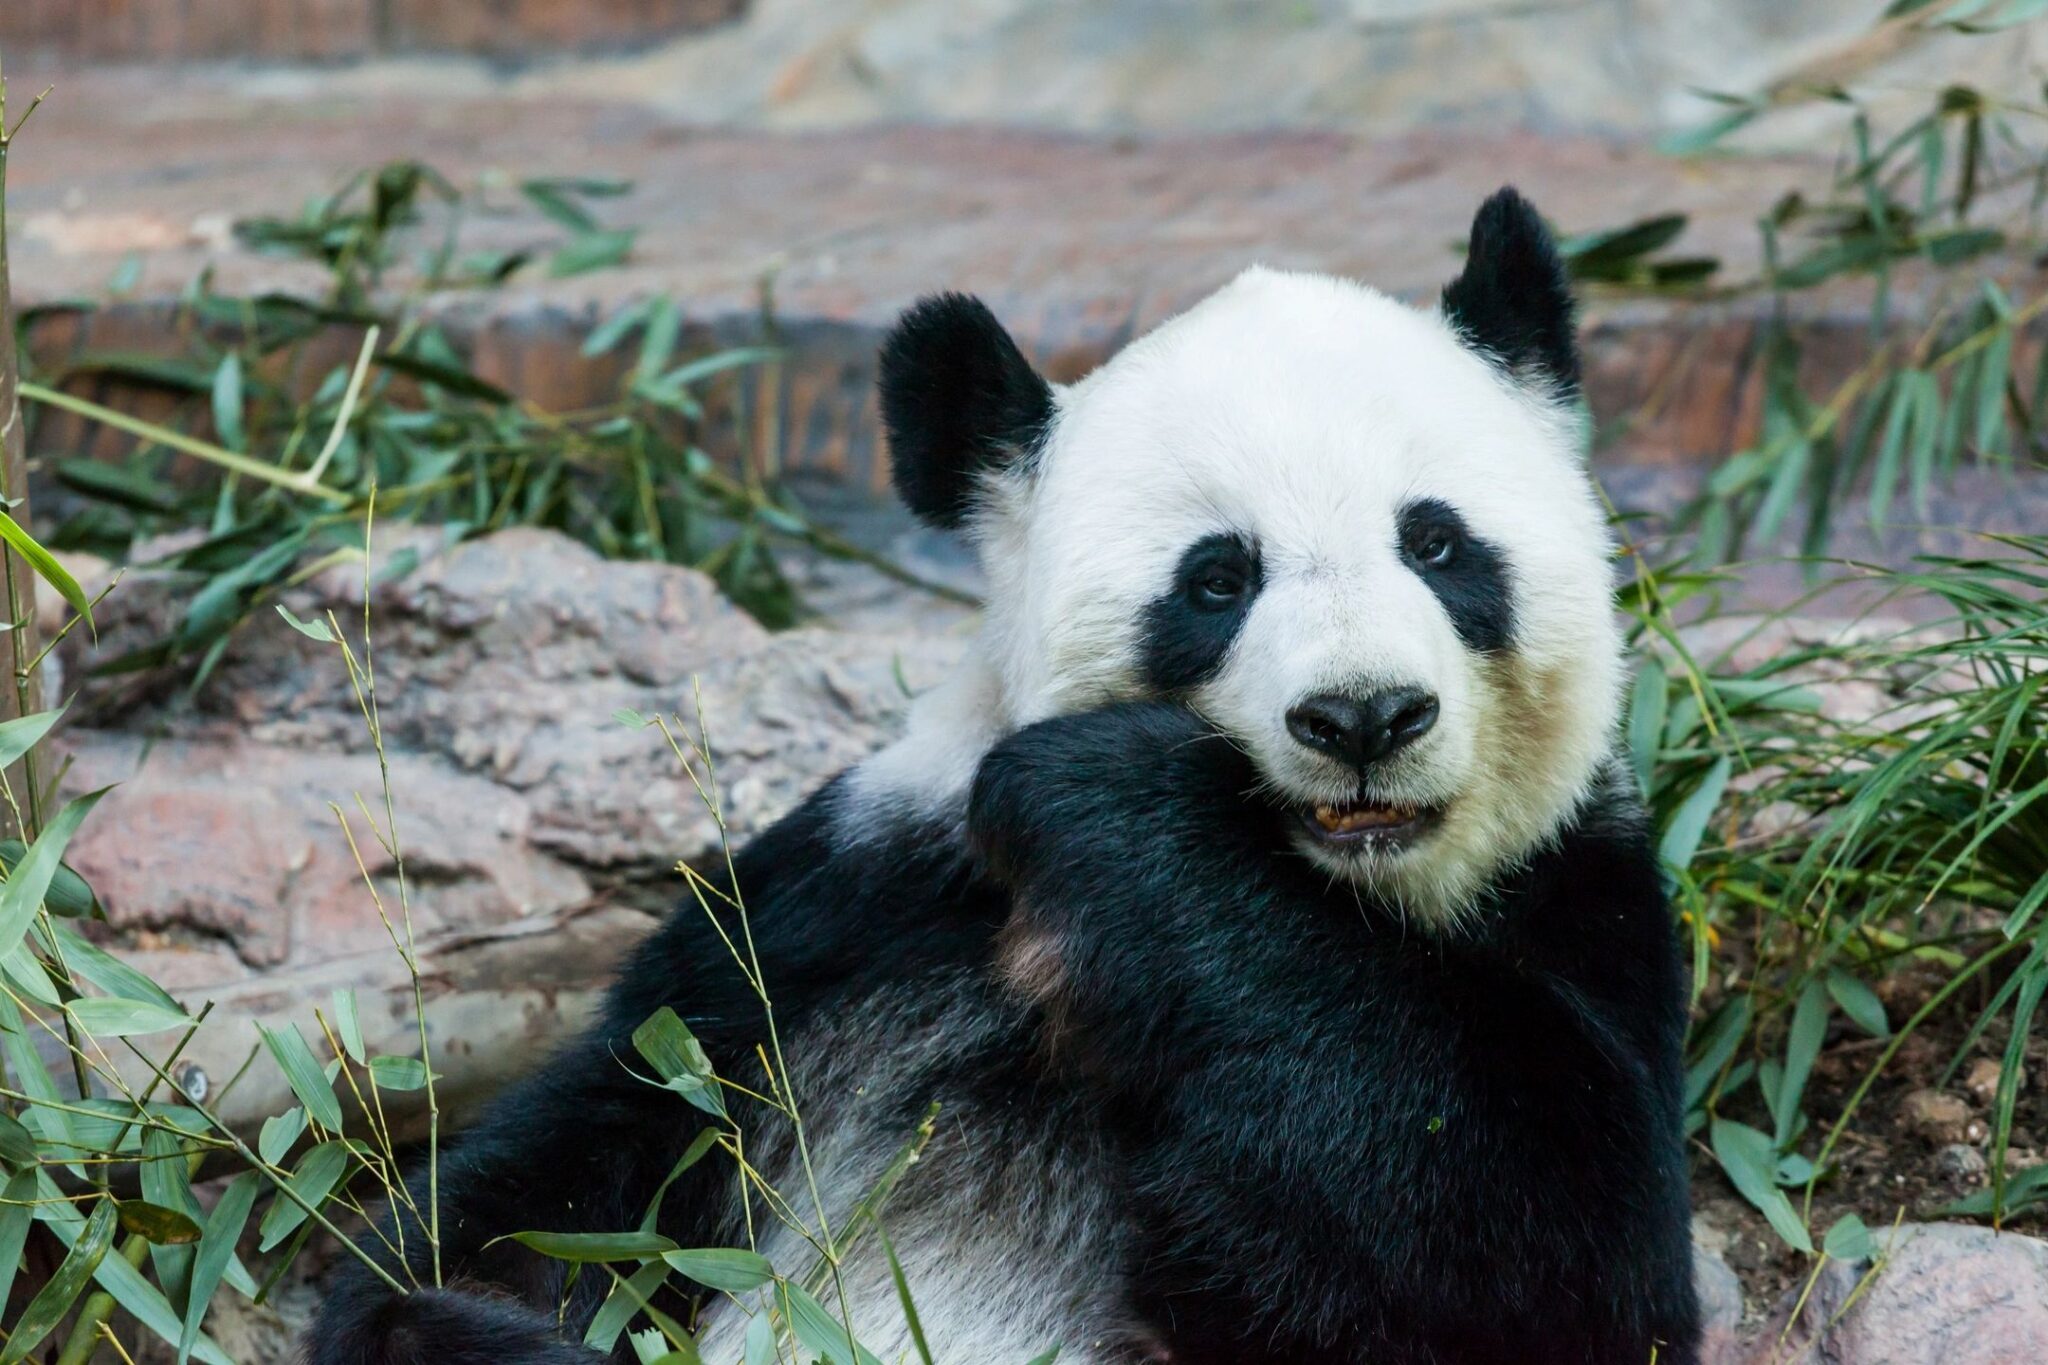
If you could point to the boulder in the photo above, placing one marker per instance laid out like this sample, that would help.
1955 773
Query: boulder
540 825
1720 1305
1943 1294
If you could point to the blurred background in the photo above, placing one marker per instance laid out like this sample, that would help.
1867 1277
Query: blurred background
1628 68
583 297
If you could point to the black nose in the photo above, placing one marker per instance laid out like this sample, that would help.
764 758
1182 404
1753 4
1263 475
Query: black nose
1363 730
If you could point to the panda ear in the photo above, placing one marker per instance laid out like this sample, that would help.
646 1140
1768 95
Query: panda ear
959 401
1513 302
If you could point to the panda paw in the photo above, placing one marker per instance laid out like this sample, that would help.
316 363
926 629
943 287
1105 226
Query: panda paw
1099 786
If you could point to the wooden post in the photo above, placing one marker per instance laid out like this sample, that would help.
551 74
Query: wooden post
21 647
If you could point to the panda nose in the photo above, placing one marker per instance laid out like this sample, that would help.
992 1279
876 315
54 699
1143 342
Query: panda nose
1364 730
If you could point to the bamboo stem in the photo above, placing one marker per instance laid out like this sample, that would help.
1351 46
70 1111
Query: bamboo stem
25 697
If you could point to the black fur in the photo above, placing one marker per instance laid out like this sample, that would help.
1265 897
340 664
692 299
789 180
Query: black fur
1348 1140
582 1145
1514 300
958 400
1473 582
1188 628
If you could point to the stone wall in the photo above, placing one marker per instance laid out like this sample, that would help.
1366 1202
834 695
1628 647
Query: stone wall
1625 67
63 31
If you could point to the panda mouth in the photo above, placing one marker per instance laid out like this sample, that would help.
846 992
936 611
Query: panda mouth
1365 824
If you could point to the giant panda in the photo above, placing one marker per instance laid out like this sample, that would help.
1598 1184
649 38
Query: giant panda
1261 902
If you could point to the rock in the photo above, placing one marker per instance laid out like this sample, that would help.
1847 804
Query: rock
1960 1161
1937 1119
1944 1294
1981 1080
508 658
1720 1299
264 868
537 828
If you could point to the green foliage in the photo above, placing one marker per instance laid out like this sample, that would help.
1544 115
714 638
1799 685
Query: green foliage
1918 834
277 441
1939 201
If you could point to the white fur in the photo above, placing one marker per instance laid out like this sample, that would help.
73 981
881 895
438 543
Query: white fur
1008 1232
1303 412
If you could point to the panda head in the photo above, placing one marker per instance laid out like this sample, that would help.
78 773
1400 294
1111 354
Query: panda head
1358 537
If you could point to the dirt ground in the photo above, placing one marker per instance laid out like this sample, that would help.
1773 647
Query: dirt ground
1919 1140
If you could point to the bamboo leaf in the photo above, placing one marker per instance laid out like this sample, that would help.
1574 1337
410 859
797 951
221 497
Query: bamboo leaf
280 1131
759 1348
227 402
615 328
54 1300
903 1296
17 737
318 1173
216 1248
584 1247
17 1145
679 1059
1848 1239
821 1334
113 1017
1859 1002
451 378
705 1140
1884 478
156 1224
22 894
69 897
399 1073
100 968
312 630
306 1076
1750 1161
1802 1046
143 1300
166 1178
347 1025
1692 141
1688 824
33 1079
619 1306
16 1214
593 251
45 564
728 1270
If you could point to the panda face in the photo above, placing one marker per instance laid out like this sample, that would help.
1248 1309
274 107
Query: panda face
1353 535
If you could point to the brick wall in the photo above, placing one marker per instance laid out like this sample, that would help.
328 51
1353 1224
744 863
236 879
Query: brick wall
50 31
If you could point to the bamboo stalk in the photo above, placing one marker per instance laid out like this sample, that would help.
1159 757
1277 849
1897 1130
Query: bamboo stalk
25 697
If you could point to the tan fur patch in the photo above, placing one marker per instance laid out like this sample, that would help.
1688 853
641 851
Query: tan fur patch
1028 958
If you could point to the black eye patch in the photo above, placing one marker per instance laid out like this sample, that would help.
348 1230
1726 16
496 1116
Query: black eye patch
1468 575
1189 627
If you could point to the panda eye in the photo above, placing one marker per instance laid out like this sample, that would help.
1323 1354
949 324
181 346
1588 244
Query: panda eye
1433 546
1217 586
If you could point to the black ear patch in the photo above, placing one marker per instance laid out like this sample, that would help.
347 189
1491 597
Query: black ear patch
958 399
1514 299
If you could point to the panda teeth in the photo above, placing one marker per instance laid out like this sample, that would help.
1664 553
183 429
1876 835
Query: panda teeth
1349 819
